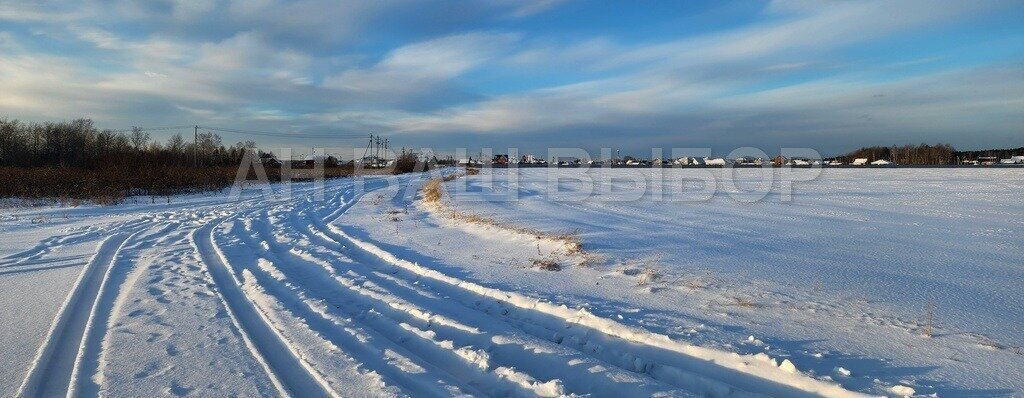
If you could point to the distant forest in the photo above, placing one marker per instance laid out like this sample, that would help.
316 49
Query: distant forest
79 144
75 161
925 154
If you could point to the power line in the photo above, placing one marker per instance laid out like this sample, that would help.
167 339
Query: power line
283 135
150 129
243 131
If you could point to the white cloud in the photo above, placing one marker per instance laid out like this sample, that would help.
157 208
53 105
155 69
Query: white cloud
530 7
420 65
38 11
271 61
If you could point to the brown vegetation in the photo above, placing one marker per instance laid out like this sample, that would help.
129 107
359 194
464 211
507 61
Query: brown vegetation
547 264
433 192
745 302
74 161
110 184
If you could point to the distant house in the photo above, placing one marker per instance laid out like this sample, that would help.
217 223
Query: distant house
328 160
778 161
860 161
567 161
1012 160
268 160
714 162
749 161
684 161
530 159
834 162
500 159
988 160
799 162
881 162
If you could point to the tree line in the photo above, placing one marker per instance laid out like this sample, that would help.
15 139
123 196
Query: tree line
995 153
75 161
79 144
923 154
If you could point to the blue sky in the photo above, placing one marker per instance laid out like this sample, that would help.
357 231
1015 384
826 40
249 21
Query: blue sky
532 74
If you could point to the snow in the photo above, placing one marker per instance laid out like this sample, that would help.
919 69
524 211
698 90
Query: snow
844 275
370 293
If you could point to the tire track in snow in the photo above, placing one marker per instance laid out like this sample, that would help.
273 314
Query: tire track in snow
706 371
493 356
86 379
464 363
290 374
36 253
366 345
51 372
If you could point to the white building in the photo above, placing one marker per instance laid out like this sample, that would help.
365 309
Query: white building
881 162
714 162
860 161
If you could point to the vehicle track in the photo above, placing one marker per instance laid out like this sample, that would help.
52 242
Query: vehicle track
86 377
51 372
302 292
290 374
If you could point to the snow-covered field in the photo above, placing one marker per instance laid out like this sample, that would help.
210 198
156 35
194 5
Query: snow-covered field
369 292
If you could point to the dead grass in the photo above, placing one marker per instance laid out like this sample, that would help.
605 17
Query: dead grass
744 302
646 269
433 193
929 321
571 242
547 264
648 275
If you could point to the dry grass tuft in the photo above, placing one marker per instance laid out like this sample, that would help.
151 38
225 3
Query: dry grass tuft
571 241
929 322
433 191
648 275
547 264
745 302
571 244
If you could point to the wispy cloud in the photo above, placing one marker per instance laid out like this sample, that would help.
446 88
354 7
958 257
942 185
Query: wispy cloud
794 70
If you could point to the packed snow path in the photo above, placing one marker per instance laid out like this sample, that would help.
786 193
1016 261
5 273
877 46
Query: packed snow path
273 297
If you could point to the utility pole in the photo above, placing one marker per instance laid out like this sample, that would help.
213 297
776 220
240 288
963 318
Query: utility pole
376 150
366 151
195 147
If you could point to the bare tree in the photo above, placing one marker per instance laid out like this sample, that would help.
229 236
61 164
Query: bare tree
139 138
